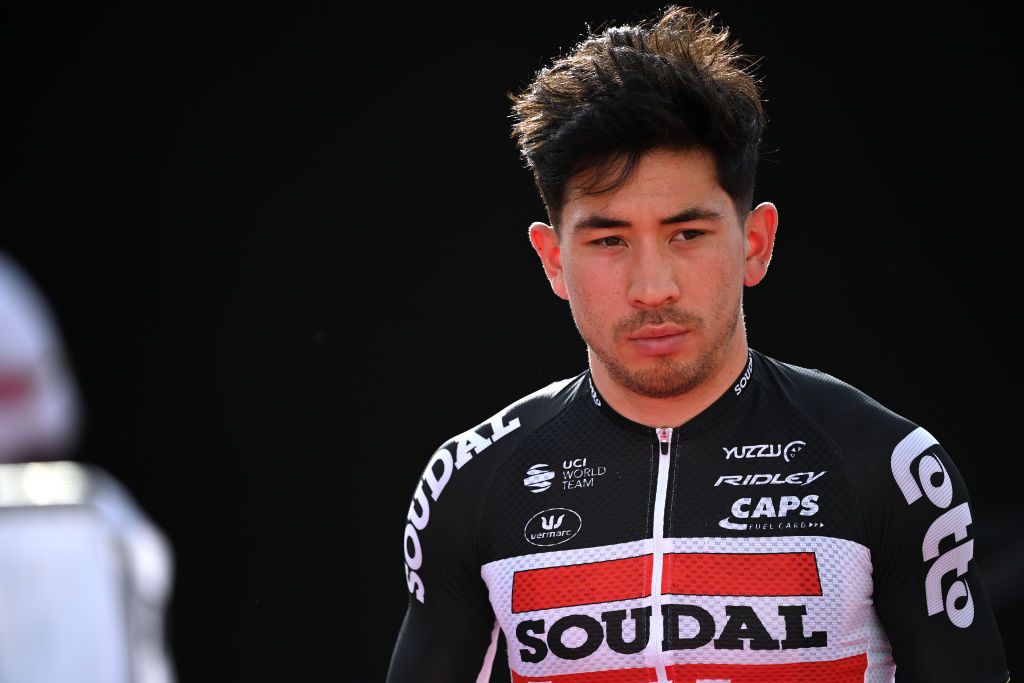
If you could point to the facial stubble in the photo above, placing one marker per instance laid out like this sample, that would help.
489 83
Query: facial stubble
668 378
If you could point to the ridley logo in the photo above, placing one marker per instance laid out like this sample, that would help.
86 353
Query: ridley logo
795 479
538 478
765 450
545 528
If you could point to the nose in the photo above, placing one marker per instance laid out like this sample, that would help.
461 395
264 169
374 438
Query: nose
652 281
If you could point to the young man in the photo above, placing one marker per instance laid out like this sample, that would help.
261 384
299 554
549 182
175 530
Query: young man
687 509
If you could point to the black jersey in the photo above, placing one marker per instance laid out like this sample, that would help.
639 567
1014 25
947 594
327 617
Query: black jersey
795 530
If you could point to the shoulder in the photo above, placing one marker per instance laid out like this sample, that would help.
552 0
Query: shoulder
877 446
495 437
440 529
892 460
917 517
852 418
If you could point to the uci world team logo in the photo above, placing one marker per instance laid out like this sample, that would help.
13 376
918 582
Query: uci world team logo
538 478
553 526
575 474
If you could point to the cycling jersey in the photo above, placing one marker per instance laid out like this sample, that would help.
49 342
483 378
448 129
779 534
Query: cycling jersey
795 530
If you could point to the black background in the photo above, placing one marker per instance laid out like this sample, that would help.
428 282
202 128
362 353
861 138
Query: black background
287 249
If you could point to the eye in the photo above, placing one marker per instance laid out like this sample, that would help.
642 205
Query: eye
610 241
689 235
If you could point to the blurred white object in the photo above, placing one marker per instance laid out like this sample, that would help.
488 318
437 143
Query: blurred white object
84 579
84 575
39 412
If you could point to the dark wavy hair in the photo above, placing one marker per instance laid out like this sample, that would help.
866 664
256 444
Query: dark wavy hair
680 84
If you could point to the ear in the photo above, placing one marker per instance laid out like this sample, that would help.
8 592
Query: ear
545 242
759 230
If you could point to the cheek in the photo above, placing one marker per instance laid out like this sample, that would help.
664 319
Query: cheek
602 278
718 285
592 292
725 275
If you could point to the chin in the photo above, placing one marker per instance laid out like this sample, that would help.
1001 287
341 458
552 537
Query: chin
665 377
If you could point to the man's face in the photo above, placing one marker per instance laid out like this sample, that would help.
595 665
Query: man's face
654 273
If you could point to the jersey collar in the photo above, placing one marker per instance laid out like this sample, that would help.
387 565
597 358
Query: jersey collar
741 387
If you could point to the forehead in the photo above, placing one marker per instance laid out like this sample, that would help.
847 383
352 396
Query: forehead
663 182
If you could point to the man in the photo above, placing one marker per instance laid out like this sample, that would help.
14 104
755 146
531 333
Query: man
687 509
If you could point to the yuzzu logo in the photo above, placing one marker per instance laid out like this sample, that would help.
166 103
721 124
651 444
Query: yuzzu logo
764 450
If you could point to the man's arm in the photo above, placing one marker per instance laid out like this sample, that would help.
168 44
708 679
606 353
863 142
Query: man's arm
928 592
447 643
447 633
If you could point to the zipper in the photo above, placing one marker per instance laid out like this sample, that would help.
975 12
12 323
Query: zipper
664 436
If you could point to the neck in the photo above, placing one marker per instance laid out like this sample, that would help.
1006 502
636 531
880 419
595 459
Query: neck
674 410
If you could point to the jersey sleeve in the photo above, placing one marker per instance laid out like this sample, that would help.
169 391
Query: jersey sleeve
447 632
928 592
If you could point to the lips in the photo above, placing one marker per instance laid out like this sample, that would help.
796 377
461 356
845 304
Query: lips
658 340
656 331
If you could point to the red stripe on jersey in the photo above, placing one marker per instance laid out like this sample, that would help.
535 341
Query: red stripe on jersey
611 676
765 574
582 584
847 670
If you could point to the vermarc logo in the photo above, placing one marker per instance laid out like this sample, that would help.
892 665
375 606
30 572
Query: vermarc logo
553 526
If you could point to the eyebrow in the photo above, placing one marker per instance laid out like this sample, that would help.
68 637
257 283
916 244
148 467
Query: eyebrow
597 220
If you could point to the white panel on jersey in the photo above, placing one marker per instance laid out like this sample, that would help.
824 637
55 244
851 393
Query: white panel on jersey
823 583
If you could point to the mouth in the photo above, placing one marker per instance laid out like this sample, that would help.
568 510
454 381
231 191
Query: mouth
658 340
658 331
